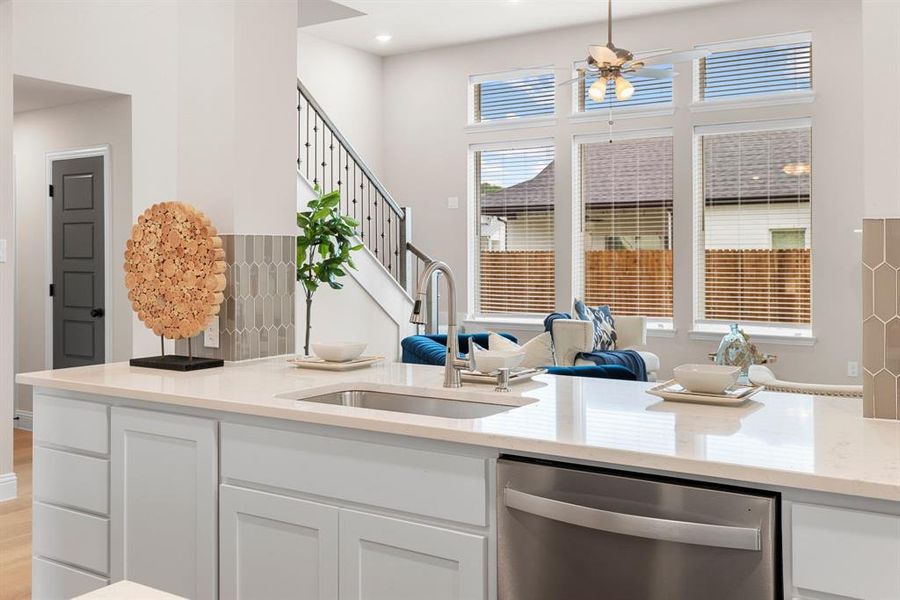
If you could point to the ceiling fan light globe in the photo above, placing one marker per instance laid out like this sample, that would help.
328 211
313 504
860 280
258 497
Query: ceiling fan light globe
624 89
597 91
602 54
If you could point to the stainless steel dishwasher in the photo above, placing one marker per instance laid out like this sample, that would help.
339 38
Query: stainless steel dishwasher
574 533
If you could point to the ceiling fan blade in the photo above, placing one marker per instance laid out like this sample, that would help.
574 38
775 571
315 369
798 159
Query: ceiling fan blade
674 57
655 73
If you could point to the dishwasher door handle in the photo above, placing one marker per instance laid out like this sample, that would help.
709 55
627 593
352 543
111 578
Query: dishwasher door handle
685 532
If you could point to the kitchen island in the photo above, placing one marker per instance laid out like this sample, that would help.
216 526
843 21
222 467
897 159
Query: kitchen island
178 479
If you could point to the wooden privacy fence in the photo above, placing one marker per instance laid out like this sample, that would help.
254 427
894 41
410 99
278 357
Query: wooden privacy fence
518 281
758 285
631 282
740 285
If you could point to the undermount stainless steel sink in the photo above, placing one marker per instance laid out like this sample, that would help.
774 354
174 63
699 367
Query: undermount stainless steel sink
417 405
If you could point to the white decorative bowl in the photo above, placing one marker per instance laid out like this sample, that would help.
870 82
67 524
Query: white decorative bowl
706 379
488 361
338 351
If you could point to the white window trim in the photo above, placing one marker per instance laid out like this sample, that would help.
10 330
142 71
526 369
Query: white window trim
712 330
774 334
773 99
763 100
472 240
506 76
636 112
512 123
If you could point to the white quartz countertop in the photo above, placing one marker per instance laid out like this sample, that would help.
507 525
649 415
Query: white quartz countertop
785 440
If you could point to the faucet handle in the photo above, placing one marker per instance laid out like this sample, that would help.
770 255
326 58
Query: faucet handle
502 380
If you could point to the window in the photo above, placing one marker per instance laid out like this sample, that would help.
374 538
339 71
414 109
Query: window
784 239
738 70
516 261
647 91
626 224
753 206
516 95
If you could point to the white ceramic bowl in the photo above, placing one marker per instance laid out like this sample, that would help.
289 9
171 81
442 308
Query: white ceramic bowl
706 379
488 361
338 351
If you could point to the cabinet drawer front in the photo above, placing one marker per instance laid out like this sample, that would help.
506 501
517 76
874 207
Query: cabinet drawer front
71 480
73 423
71 537
421 482
845 552
52 581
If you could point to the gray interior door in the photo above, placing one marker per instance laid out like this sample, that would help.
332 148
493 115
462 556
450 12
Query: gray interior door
78 286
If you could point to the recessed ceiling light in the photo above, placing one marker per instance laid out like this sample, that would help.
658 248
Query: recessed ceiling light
383 37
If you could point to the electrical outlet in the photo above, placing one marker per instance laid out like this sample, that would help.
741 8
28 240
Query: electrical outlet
452 202
211 335
852 369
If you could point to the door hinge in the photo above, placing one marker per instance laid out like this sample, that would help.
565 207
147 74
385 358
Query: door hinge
51 190
52 290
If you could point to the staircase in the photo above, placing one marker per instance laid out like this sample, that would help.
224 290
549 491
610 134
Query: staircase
325 159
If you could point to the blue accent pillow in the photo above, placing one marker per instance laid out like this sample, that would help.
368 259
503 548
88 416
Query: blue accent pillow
602 320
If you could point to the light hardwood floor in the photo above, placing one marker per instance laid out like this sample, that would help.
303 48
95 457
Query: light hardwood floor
15 526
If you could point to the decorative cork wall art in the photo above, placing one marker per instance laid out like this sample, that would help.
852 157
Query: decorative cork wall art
175 275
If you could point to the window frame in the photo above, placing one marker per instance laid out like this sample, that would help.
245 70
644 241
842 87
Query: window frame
703 328
661 325
473 229
515 122
700 104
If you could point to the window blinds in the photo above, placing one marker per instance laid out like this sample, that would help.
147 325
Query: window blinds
516 202
626 224
755 71
530 95
753 259
647 91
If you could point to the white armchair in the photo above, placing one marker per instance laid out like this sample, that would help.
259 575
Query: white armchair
572 336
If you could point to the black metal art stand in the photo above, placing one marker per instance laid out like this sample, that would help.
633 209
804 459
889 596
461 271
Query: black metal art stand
176 362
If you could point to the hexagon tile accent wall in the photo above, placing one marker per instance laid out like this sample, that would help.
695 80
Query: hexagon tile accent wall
257 317
881 318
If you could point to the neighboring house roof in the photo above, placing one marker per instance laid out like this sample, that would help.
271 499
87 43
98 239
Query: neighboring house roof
732 162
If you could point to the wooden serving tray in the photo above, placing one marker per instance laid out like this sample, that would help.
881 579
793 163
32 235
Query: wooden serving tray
733 396
314 362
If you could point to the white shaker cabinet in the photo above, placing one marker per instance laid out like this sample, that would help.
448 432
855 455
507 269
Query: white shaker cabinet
163 501
273 546
845 553
384 558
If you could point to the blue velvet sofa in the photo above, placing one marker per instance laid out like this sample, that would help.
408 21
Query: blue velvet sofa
431 349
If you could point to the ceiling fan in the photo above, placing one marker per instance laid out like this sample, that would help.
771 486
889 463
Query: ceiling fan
609 62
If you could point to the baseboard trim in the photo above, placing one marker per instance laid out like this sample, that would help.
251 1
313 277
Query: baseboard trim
8 486
24 420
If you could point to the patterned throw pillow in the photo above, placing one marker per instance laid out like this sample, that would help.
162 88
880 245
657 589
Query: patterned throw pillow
602 320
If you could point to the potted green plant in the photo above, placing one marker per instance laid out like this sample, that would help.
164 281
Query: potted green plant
326 240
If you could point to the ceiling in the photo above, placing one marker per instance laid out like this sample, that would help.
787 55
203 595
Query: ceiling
422 24
36 94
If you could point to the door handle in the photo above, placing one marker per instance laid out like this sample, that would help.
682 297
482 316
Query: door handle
97 312
685 532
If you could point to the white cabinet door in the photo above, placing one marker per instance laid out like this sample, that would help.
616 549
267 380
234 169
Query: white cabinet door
276 547
164 480
846 553
389 559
